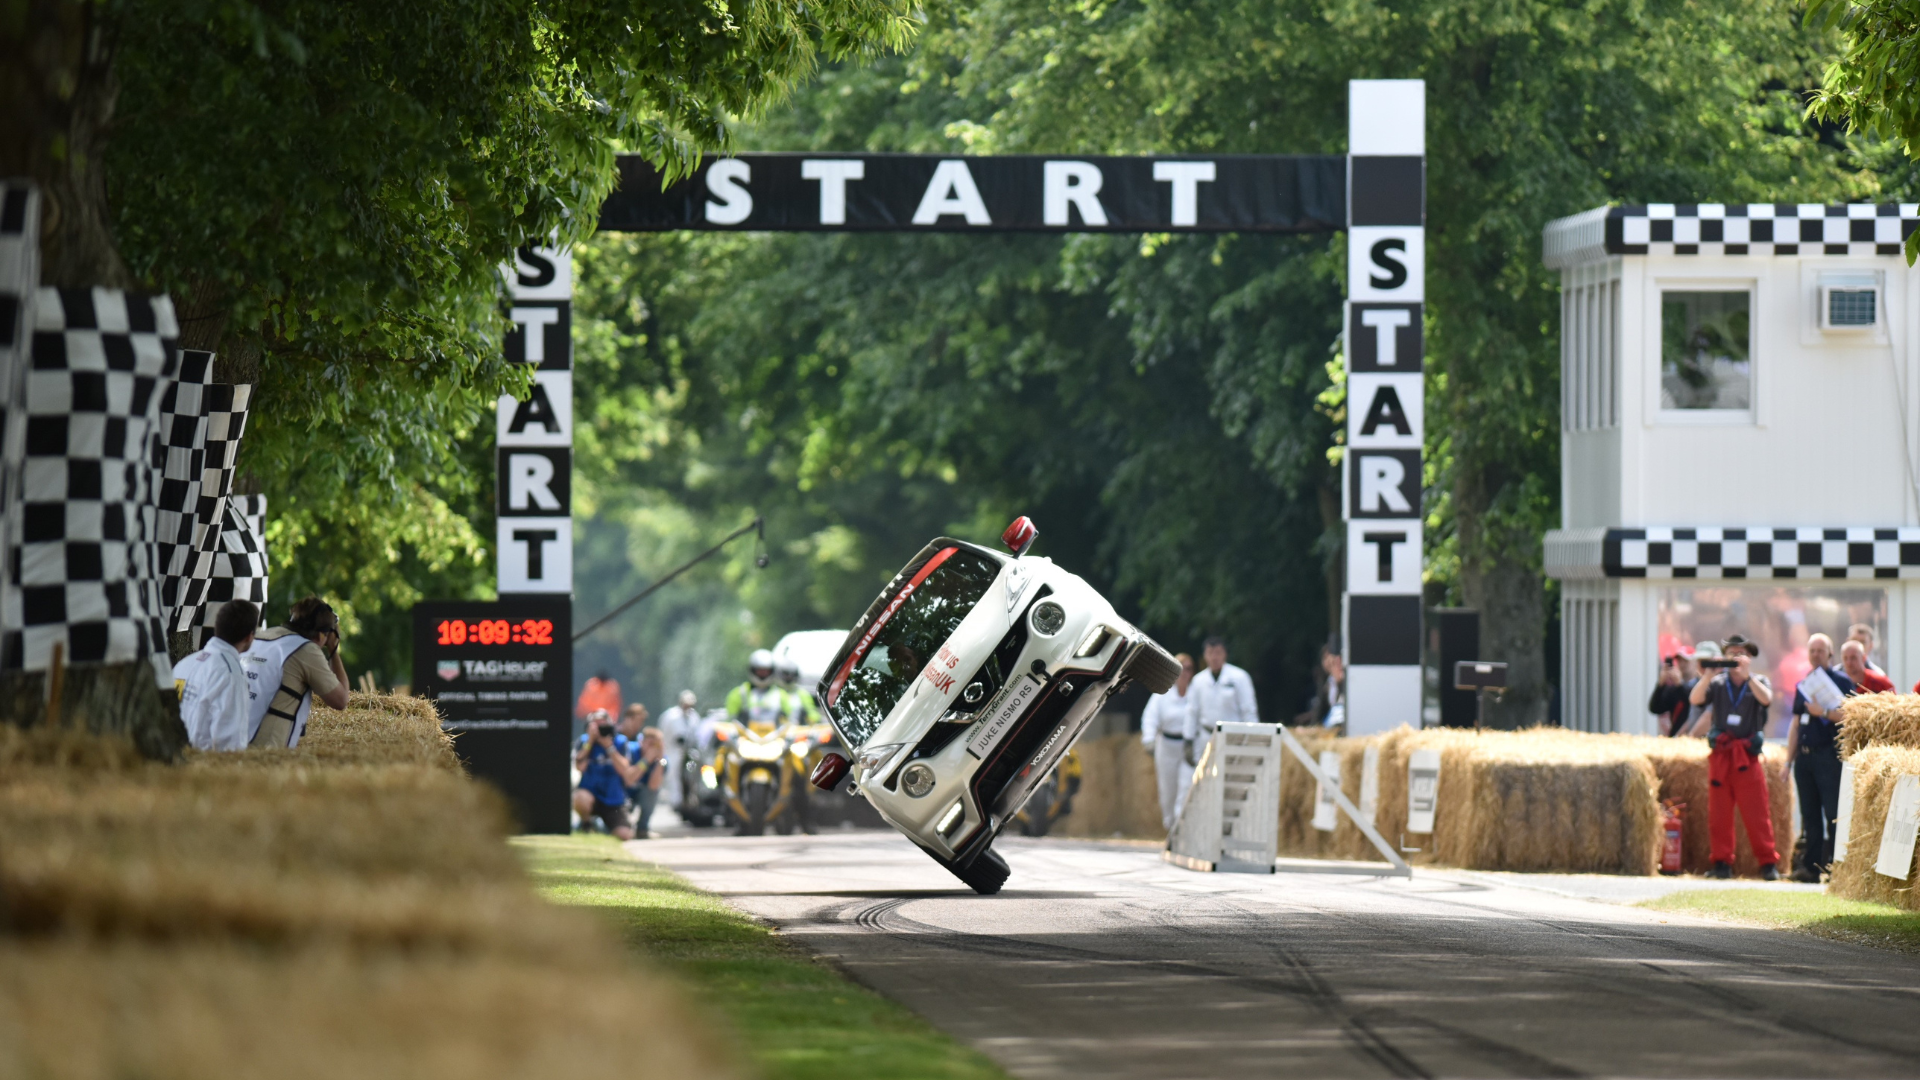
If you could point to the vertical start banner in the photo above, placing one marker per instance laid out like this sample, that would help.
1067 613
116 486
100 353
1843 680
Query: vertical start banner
533 439
1386 424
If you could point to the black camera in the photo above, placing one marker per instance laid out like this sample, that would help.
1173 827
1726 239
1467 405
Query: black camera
603 731
1719 662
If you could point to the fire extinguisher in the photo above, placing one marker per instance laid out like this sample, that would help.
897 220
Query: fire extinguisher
1671 828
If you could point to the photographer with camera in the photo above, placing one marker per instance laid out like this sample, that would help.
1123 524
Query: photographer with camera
1669 700
1739 700
604 759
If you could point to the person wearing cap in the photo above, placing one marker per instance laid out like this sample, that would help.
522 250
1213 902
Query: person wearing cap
1697 719
1669 700
1739 700
1813 757
677 728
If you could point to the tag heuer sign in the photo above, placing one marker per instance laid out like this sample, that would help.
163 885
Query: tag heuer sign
501 675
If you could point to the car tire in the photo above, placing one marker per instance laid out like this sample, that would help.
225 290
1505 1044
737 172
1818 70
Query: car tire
986 873
1153 668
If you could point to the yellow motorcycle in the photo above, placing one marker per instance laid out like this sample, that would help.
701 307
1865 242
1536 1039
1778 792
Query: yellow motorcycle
1052 799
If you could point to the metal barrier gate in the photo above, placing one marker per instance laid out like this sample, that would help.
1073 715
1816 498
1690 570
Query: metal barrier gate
1231 821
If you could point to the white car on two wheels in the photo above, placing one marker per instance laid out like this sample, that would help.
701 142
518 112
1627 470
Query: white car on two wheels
965 683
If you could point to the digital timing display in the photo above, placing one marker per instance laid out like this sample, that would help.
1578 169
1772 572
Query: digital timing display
495 632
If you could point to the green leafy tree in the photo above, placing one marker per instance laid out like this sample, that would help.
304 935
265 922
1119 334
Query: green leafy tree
1871 85
1166 402
328 189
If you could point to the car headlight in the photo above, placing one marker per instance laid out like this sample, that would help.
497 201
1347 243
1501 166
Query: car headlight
917 779
871 761
1048 618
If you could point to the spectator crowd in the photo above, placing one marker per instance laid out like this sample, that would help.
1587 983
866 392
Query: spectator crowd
1712 691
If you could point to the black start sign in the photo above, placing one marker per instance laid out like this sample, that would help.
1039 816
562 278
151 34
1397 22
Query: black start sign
501 674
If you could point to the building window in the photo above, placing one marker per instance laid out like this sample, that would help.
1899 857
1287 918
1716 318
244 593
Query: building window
1779 619
1705 357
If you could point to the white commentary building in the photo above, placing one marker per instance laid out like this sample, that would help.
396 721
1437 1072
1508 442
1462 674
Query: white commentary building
1740 387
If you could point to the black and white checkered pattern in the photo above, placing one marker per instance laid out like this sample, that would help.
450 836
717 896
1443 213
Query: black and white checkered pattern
82 545
224 408
1807 552
180 447
1760 228
238 567
19 277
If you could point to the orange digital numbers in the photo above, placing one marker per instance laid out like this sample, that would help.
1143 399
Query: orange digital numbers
495 632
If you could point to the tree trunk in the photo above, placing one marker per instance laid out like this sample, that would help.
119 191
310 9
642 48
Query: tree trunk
100 699
1334 542
1500 576
56 80
58 90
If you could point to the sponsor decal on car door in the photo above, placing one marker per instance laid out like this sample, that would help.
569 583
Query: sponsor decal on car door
1013 703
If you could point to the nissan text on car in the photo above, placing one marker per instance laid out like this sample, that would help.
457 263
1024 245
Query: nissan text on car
966 681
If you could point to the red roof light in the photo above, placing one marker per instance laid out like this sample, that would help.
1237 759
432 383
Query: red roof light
1020 535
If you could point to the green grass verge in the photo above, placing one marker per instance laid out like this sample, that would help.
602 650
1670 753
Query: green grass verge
791 1015
1880 925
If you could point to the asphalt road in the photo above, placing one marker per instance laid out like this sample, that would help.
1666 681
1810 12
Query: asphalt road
1100 960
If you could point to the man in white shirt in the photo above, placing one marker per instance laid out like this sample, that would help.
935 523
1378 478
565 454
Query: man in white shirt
1222 694
1163 731
212 685
677 726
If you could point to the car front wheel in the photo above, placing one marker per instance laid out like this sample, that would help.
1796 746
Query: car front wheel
986 873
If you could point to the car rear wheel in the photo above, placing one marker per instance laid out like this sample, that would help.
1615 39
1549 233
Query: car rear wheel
986 873
1153 668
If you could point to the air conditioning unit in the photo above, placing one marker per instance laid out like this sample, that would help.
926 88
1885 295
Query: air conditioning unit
1849 303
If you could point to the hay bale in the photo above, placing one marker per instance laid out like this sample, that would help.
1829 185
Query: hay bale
88 1010
1119 794
1299 794
1880 720
1545 799
347 908
1875 771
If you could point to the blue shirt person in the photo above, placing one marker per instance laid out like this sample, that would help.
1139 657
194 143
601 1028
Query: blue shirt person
604 758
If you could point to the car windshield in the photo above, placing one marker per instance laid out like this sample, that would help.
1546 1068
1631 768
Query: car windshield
905 635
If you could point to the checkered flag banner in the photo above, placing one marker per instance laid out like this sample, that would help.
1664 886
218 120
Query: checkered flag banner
224 407
180 450
1760 228
238 567
81 548
19 277
1757 553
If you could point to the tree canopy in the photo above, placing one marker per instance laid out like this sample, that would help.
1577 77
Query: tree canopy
328 191
1164 405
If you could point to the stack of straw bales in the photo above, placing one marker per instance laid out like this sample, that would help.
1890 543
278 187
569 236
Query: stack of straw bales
1119 792
347 908
1881 740
1540 800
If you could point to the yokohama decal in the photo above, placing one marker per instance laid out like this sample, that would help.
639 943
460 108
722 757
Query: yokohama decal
860 651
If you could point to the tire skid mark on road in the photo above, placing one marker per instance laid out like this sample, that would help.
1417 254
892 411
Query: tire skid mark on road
1359 1026
1362 1024
1735 1007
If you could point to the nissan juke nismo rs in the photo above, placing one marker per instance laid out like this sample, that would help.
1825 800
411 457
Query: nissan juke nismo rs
965 683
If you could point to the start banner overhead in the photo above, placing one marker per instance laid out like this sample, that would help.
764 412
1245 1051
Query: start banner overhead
929 192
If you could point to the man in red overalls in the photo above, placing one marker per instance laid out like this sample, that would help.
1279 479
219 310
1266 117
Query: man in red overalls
1739 700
